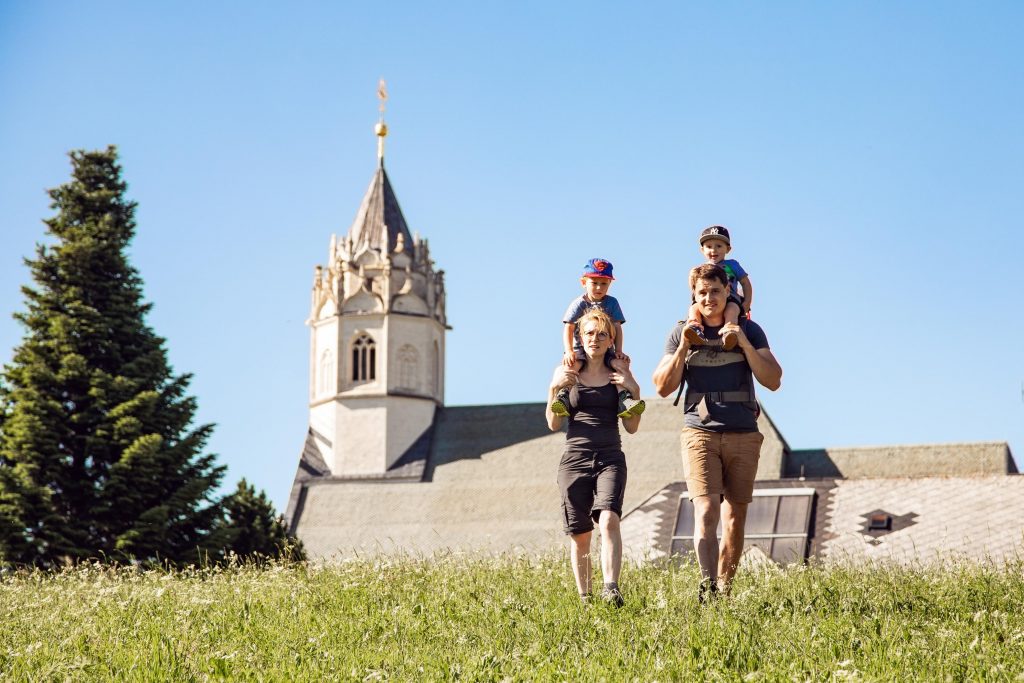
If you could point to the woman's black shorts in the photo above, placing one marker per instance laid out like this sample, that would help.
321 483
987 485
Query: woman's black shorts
590 481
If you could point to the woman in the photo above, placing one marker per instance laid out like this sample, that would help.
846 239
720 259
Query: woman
592 473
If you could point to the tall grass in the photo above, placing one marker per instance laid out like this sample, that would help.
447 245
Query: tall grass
486 619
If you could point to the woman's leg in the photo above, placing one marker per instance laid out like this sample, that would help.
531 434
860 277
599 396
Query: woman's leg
579 557
611 546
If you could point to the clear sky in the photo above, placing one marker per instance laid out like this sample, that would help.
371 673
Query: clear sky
867 156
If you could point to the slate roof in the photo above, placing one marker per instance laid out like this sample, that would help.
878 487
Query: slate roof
979 518
952 459
379 220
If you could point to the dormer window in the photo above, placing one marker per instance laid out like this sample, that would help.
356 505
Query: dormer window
364 359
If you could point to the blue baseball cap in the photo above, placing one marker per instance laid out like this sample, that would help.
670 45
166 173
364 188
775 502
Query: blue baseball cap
598 267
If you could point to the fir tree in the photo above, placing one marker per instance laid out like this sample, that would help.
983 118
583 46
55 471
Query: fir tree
254 529
98 457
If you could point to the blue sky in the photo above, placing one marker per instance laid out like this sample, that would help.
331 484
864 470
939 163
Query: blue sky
868 158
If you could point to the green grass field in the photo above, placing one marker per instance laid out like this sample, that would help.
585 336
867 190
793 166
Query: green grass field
483 619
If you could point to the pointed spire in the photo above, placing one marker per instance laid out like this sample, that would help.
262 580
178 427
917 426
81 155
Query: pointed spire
379 221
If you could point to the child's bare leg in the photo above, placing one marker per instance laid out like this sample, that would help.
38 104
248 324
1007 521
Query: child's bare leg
732 316
693 317
693 330
732 313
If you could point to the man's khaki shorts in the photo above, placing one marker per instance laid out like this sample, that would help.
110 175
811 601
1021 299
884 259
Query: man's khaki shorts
721 463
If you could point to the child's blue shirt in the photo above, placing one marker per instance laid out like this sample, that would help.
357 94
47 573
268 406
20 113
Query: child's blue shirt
581 305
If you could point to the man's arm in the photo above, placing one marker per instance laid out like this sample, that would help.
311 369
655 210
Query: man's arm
669 373
765 368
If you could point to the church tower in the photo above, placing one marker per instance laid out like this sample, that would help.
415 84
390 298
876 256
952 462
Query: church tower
377 326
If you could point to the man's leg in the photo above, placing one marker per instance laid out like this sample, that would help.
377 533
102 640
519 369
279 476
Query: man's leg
579 557
706 513
734 518
611 546
740 455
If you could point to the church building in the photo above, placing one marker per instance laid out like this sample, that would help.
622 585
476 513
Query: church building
387 468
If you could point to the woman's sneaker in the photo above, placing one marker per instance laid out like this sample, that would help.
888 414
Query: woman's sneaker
560 406
611 595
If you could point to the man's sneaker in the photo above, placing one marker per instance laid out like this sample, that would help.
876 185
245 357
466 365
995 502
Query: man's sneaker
707 591
629 406
694 335
612 596
560 406
729 340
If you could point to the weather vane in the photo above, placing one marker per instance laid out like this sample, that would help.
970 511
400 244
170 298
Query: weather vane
381 129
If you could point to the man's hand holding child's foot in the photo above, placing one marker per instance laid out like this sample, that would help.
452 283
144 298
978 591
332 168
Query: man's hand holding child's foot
694 334
732 336
729 340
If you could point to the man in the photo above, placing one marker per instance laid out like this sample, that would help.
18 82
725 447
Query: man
721 440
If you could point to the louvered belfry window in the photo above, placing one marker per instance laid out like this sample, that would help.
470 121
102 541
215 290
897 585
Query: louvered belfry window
364 359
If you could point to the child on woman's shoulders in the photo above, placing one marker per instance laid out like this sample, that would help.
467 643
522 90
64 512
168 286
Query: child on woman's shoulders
596 279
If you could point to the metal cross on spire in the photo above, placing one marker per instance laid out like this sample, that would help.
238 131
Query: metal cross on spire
381 129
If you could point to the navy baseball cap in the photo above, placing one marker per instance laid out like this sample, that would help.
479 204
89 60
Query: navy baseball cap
598 267
715 232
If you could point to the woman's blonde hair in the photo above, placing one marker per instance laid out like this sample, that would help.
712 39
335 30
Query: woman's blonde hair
603 320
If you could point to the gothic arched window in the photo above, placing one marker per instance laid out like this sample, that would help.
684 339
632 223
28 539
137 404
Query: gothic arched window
364 359
408 368
325 373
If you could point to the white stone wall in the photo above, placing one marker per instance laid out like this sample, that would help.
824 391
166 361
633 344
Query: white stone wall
371 434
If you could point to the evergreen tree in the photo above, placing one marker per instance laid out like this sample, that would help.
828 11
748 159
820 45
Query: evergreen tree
254 529
98 457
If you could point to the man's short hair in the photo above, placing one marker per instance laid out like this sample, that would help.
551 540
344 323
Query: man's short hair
708 271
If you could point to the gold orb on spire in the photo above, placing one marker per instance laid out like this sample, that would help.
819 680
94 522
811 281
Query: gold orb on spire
381 129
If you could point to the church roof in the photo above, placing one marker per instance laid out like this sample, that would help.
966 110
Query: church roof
379 220
488 485
483 480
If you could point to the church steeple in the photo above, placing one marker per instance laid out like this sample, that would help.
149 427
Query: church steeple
378 325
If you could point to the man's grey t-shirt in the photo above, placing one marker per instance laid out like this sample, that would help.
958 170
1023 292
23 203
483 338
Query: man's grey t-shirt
719 371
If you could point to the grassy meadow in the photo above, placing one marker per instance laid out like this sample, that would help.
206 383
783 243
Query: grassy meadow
494 619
